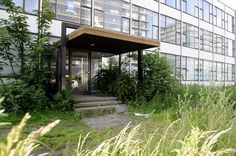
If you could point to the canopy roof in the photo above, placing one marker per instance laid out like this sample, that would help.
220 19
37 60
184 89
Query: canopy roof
97 39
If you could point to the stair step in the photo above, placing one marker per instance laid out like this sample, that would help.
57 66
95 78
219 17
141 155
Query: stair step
97 103
89 98
95 111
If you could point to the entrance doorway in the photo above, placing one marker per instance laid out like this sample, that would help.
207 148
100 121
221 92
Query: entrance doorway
78 72
83 66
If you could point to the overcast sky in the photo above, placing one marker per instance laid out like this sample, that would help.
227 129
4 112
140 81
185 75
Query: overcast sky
231 3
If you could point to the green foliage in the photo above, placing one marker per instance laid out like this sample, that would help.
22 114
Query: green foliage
106 78
158 77
63 101
14 36
21 98
115 82
33 89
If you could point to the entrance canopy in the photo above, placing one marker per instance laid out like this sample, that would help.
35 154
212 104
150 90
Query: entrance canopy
97 39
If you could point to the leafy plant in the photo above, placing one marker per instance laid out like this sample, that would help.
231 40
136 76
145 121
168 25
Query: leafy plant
14 37
20 98
158 77
63 101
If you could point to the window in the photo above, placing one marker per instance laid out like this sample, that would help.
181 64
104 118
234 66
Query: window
68 10
126 9
190 36
144 22
190 69
230 23
184 68
207 12
112 12
31 5
86 3
18 2
190 7
171 61
219 17
173 3
207 68
229 47
85 16
98 19
125 25
219 44
206 40
219 77
170 30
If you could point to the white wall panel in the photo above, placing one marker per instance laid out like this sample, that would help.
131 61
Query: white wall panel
170 48
229 60
189 52
219 58
151 5
166 10
206 26
229 35
190 19
219 31
205 55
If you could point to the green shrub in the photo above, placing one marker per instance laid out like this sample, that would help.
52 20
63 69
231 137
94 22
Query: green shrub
158 77
63 101
20 97
115 82
105 80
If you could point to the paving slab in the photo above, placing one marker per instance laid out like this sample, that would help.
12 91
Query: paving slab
107 121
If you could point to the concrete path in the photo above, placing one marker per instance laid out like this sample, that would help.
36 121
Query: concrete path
107 121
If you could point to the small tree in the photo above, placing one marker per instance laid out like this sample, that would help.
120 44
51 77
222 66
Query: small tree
158 77
14 37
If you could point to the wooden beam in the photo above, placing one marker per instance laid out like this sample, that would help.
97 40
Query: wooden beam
88 30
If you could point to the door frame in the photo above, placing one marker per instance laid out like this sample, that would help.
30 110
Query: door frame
88 52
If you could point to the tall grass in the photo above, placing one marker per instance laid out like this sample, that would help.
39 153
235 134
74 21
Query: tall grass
129 142
16 146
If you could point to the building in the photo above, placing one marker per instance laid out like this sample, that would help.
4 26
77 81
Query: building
197 36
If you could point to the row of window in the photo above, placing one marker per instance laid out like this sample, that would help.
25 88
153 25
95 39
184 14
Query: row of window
170 31
205 11
194 69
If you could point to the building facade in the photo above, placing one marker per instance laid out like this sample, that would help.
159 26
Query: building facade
197 36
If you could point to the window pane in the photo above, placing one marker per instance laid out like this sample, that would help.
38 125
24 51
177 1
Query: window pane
125 25
31 5
18 2
68 10
85 16
190 69
98 18
170 3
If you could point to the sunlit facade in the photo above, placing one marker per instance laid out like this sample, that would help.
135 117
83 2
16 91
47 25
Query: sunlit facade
197 36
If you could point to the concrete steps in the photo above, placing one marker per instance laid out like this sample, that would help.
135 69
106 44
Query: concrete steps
97 105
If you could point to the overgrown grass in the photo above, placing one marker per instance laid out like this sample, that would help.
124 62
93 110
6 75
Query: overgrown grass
212 111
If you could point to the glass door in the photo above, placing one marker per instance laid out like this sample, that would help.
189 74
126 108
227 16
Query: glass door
79 72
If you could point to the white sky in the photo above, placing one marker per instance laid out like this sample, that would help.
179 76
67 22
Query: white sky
231 3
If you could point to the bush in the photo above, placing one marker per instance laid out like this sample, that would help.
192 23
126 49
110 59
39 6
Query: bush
117 83
21 98
63 101
158 77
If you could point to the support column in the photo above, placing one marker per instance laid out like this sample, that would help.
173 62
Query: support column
70 65
63 57
89 72
140 70
120 63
